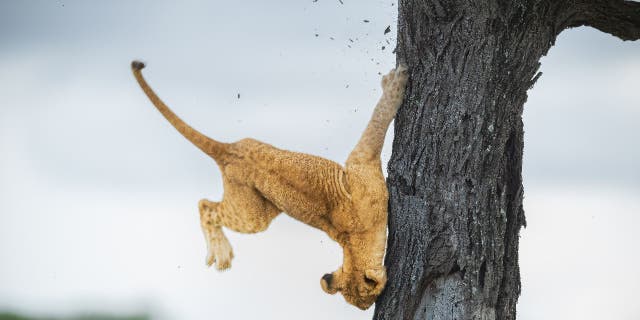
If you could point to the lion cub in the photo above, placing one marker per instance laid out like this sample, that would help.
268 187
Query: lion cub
260 181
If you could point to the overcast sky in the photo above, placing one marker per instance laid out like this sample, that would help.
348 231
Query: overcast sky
98 194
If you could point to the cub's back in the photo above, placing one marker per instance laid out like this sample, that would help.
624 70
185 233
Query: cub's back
297 183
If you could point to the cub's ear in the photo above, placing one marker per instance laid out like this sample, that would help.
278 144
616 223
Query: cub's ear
377 278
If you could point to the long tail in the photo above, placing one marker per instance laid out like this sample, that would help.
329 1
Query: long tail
213 148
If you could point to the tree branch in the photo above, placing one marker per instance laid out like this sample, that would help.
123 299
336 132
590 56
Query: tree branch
619 18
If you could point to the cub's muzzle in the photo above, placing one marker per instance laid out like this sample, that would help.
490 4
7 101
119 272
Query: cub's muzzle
325 282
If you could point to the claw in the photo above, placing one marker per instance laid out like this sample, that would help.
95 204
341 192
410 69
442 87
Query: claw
210 259
223 266
402 68
402 75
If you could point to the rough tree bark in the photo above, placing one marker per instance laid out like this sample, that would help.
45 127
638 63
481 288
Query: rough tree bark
455 184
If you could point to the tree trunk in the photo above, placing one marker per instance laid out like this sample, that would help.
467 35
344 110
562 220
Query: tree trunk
455 183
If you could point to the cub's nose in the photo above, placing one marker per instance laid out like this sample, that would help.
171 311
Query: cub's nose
328 278
326 281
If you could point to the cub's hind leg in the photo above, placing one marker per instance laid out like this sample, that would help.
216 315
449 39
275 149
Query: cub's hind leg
219 249
243 210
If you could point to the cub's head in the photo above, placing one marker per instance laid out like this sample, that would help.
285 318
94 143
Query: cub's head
359 288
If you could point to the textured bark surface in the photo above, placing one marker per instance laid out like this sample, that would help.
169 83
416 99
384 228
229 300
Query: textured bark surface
455 181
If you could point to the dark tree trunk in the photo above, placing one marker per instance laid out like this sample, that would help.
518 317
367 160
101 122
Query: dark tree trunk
455 184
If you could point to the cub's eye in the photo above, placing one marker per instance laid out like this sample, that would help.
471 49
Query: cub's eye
370 282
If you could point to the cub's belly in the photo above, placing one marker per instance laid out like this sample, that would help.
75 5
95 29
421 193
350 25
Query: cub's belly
300 203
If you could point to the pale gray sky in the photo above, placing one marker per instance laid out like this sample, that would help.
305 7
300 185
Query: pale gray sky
98 193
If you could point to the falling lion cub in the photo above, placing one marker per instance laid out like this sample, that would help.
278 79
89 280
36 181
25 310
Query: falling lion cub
348 203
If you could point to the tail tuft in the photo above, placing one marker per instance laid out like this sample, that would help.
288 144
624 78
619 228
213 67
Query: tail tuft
137 65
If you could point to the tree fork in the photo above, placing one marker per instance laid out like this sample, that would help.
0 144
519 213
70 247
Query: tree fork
455 182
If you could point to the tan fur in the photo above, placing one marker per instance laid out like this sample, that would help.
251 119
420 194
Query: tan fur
348 203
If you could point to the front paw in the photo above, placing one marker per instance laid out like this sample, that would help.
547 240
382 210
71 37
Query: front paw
401 75
395 81
388 78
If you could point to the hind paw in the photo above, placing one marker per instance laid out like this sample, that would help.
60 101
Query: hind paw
220 253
